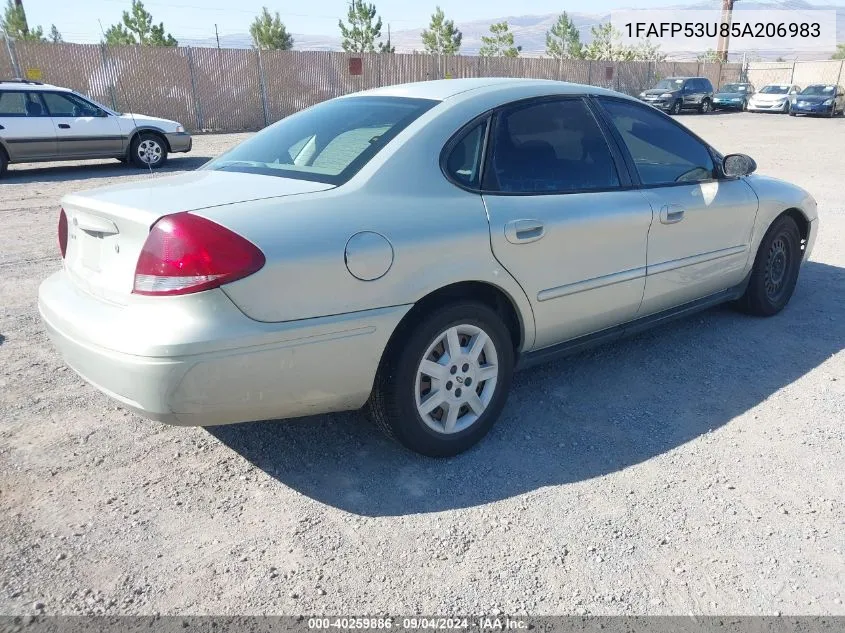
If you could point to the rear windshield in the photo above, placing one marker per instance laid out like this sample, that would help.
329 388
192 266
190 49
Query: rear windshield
819 90
329 142
775 90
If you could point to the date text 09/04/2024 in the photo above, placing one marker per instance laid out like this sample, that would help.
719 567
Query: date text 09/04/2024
497 623
716 29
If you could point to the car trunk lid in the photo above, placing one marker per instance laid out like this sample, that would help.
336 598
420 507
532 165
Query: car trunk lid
107 227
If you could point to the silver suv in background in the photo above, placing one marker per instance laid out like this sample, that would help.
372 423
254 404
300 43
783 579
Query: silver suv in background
39 122
674 94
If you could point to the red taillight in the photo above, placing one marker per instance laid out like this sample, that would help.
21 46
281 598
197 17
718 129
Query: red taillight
62 232
186 253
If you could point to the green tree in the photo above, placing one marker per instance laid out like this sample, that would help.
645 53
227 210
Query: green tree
138 28
14 24
840 52
55 36
441 37
362 30
708 56
499 43
607 45
269 33
645 51
563 40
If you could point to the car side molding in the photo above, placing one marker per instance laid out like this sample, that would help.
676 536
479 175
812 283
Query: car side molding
637 326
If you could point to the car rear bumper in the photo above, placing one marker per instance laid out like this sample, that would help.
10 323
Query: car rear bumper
213 365
179 142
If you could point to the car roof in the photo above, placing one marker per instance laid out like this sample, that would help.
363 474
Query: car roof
30 85
442 89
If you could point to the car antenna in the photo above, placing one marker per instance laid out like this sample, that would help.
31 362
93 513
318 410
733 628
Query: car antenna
107 60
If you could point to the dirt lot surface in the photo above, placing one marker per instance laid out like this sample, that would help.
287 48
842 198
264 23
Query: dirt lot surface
697 468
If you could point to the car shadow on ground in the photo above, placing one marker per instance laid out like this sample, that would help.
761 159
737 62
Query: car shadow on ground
55 172
2 339
568 421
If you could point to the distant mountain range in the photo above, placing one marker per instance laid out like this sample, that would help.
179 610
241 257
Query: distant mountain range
530 32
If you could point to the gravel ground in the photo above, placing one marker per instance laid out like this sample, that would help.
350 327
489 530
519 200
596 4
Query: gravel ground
697 468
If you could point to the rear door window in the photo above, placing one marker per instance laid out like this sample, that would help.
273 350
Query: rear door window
549 147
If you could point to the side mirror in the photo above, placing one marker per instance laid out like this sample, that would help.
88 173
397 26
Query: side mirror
736 165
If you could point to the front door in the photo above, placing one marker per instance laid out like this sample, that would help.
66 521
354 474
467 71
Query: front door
82 129
26 129
561 220
699 241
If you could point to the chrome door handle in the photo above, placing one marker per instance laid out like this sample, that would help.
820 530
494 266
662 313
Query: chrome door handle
671 213
524 231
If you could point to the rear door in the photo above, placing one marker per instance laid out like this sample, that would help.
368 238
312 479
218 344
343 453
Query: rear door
700 238
82 129
25 127
563 219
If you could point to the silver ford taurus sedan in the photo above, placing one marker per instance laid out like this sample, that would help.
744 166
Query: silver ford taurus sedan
404 248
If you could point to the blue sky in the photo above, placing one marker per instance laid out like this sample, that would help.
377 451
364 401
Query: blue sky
195 19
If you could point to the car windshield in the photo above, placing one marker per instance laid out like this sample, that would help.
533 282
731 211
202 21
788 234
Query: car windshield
669 84
775 90
329 142
734 88
819 90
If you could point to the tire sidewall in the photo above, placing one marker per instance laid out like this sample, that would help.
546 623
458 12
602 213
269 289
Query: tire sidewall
4 162
413 432
783 226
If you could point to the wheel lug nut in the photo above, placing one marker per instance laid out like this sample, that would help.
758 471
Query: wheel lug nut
458 392
465 367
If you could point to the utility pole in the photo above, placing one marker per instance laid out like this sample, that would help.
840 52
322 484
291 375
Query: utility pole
722 46
217 35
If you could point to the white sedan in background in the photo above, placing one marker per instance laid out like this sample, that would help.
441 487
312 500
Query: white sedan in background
773 98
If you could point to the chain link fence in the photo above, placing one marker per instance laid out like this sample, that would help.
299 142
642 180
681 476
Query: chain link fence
803 74
226 90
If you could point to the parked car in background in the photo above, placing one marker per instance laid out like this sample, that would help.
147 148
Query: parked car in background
733 96
404 247
826 99
681 93
39 122
773 98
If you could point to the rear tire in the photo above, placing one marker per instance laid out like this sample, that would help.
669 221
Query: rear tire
148 150
775 270
4 161
440 401
676 107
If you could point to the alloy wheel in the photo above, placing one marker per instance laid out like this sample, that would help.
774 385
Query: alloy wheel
149 151
456 379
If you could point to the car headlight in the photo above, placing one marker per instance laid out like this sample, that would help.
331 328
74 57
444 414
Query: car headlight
828 102
666 95
180 128
642 94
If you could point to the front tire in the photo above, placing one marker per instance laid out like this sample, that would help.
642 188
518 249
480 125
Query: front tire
775 270
705 107
676 107
441 387
148 150
4 161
